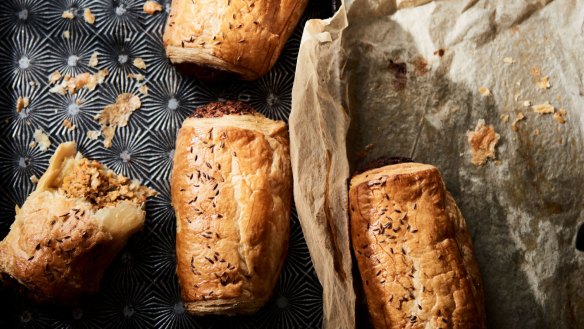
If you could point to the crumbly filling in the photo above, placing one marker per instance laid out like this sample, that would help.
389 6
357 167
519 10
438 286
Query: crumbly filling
102 187
219 109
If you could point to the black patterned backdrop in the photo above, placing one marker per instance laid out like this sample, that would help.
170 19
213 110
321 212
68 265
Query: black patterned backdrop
140 289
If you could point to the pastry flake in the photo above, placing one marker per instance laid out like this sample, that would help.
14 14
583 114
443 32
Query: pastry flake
482 141
117 115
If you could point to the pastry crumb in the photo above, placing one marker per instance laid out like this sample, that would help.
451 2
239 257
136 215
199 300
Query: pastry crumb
485 91
482 141
93 134
139 63
544 83
68 124
526 103
88 15
34 179
117 115
33 84
560 116
143 89
81 81
66 34
22 103
101 75
42 140
508 60
93 61
152 7
544 108
68 14
138 77
504 118
54 77
520 116
32 144
535 72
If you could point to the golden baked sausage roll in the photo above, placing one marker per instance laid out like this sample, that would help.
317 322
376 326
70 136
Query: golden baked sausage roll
414 252
231 191
244 37
71 227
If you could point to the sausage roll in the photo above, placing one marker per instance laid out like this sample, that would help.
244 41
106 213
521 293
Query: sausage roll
244 37
231 191
71 227
413 250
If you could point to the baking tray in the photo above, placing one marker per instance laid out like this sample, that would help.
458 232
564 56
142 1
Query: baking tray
139 289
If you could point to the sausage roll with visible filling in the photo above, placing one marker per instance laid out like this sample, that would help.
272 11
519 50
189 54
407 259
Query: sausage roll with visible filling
71 227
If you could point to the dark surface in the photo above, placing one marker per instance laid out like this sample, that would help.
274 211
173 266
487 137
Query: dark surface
140 288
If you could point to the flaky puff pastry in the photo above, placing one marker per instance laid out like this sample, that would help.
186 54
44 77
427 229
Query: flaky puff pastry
244 37
71 227
414 252
231 190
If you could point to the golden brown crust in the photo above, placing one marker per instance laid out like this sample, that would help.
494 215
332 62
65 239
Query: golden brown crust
63 238
413 250
240 36
231 190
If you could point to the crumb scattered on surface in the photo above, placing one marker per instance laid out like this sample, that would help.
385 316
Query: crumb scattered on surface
88 15
54 77
482 141
71 85
560 116
520 116
66 34
32 144
117 115
68 124
139 63
93 61
544 83
544 108
526 103
81 81
42 140
138 77
33 84
101 75
152 7
508 60
22 103
143 89
485 91
93 134
94 182
504 117
68 14
34 179
535 72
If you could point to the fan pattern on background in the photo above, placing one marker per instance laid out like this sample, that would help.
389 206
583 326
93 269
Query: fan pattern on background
140 289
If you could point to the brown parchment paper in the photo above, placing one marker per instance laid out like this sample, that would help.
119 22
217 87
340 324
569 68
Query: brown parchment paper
380 80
